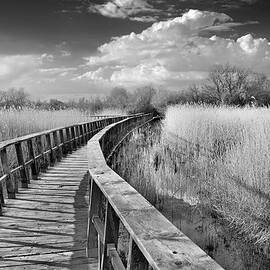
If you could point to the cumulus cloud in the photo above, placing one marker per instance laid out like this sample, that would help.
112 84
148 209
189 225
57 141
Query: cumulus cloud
124 9
173 53
153 10
32 73
14 67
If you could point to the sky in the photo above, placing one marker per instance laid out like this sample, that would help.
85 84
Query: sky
73 48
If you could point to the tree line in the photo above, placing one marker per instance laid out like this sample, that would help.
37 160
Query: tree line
225 85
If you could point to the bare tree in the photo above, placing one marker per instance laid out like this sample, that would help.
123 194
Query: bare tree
226 84
119 98
14 98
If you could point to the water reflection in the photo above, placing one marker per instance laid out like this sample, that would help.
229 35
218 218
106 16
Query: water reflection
213 237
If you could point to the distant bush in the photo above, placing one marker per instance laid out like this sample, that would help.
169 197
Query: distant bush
14 99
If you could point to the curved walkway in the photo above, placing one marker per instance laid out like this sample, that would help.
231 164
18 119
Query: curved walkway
45 226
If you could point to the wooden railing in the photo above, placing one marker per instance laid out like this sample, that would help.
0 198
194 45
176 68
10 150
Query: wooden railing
154 242
22 159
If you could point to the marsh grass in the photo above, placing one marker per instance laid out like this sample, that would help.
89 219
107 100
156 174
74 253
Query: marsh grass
216 158
15 123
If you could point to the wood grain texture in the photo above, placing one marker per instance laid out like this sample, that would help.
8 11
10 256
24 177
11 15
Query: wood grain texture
7 143
162 244
45 226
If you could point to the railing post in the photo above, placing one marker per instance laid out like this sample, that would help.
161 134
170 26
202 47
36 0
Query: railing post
88 128
34 168
136 260
94 128
6 170
82 131
78 140
43 160
62 148
49 146
73 136
95 197
84 127
56 144
2 201
111 231
23 172
69 142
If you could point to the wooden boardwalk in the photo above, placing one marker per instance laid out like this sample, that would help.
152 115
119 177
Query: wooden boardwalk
45 226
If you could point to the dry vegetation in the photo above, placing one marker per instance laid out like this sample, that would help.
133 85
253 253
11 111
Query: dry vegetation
14 123
215 157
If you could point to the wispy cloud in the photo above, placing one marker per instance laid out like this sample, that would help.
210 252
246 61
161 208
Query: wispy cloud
226 26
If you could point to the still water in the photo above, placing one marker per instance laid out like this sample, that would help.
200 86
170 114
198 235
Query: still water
213 237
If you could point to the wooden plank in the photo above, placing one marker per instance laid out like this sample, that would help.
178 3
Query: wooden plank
111 231
136 260
7 143
93 211
23 172
162 244
34 167
10 185
46 226
115 259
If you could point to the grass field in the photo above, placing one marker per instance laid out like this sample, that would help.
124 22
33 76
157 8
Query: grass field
215 157
14 123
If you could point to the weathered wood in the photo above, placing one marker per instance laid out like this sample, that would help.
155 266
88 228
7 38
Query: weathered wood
69 142
111 231
73 137
10 185
46 228
94 208
88 131
4 144
56 145
136 260
34 166
23 171
51 152
161 243
44 213
42 161
62 148
114 258
82 133
85 132
77 134
99 226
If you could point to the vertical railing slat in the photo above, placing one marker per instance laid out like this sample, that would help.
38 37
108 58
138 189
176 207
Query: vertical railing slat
23 171
111 231
57 154
95 197
62 148
136 260
49 148
73 136
6 170
34 169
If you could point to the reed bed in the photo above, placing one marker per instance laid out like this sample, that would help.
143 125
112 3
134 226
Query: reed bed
14 123
216 158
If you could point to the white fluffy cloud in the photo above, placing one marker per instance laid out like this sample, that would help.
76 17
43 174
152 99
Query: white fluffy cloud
173 53
16 67
124 9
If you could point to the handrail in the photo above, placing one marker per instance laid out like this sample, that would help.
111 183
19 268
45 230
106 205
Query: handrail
153 240
33 153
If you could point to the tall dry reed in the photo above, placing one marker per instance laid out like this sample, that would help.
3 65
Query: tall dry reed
214 157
